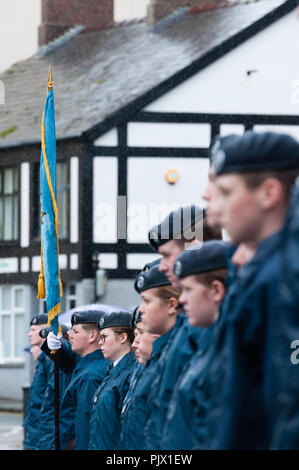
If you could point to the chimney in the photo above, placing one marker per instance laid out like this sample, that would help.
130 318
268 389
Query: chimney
60 15
159 9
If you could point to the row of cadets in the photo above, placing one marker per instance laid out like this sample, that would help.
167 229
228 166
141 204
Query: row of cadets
251 402
184 226
81 356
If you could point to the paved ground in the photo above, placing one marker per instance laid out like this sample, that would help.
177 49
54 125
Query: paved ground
11 431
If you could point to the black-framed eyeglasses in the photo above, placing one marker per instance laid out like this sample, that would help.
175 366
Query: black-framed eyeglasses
102 338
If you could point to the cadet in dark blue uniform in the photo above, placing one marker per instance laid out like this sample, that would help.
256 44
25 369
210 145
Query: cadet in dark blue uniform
137 326
83 358
253 174
169 239
38 385
160 317
116 338
285 433
47 412
202 272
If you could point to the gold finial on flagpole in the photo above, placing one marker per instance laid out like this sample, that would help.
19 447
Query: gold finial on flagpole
50 79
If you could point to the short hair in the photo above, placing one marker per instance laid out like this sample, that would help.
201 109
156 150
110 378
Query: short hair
124 329
165 293
88 327
207 279
208 233
285 177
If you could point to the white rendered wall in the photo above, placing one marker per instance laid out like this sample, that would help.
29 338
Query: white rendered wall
151 198
25 204
105 199
74 200
225 87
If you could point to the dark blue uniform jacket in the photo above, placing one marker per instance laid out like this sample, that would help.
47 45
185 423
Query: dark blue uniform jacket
242 373
76 403
285 432
36 396
47 414
136 411
188 405
105 423
181 347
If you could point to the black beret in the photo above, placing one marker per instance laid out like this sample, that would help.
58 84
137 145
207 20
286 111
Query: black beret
176 224
152 278
253 151
45 331
111 319
39 319
136 318
210 256
148 266
86 316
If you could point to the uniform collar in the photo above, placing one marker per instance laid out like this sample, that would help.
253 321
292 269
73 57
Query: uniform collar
93 356
123 363
264 251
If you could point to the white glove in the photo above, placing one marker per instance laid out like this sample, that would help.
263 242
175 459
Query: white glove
53 341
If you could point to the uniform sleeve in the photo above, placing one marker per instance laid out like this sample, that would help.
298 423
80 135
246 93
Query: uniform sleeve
243 360
67 357
36 396
84 396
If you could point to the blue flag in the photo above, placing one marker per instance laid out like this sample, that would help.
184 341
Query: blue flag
49 284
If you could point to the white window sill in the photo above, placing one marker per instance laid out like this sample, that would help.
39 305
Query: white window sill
6 363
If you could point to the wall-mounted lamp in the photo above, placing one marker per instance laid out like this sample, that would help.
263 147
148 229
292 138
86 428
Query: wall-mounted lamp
172 176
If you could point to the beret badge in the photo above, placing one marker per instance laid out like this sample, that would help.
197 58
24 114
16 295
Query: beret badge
140 282
178 268
217 156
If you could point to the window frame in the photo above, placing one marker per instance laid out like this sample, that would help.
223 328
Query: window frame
35 230
15 195
12 313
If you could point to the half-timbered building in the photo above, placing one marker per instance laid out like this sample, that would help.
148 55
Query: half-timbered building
137 105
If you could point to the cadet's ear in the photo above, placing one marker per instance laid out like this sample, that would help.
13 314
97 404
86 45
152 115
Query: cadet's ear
93 336
123 338
172 305
271 193
218 291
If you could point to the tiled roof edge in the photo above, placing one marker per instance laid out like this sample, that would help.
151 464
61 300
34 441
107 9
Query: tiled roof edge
60 41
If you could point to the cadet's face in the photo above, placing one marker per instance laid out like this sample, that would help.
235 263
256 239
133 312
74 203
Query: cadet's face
138 332
111 348
145 346
35 339
169 252
198 302
213 197
79 339
241 214
154 313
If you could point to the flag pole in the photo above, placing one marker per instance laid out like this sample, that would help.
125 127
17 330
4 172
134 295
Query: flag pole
49 282
56 355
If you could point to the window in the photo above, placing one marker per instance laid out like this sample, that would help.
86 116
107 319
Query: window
71 296
62 173
12 323
62 199
9 204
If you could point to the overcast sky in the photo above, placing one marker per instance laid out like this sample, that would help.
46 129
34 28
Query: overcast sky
19 21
